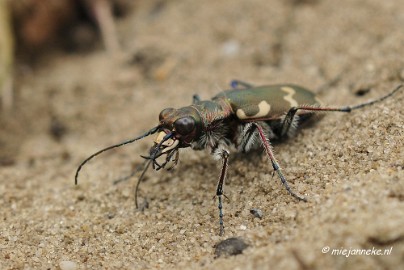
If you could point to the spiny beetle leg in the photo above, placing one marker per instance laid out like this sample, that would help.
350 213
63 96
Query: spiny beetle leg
275 165
288 121
348 108
219 190
235 83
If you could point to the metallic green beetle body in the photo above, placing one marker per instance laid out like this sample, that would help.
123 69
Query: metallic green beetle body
223 121
236 118
267 102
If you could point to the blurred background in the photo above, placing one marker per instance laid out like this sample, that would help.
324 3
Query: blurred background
79 75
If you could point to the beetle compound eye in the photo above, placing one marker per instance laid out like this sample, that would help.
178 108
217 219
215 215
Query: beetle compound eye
165 113
184 125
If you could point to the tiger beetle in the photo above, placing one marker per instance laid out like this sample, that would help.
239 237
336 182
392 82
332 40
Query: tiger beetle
237 118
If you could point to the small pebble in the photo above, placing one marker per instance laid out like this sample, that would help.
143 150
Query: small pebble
256 213
230 247
67 265
230 48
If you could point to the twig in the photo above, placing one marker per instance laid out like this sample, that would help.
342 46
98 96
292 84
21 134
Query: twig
103 14
6 57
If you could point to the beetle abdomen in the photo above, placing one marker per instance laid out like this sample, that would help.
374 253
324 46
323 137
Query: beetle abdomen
267 102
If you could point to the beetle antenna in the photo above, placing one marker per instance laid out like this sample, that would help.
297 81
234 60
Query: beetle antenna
150 132
140 180
377 100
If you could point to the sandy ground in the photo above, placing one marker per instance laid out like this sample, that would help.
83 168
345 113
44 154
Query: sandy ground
349 166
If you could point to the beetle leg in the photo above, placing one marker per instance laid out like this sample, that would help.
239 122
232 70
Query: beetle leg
288 121
196 98
267 146
245 85
224 155
169 158
247 137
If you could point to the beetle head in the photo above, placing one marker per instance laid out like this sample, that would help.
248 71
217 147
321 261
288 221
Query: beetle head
178 129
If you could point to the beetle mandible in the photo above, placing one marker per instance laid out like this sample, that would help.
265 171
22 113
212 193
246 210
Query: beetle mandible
239 118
